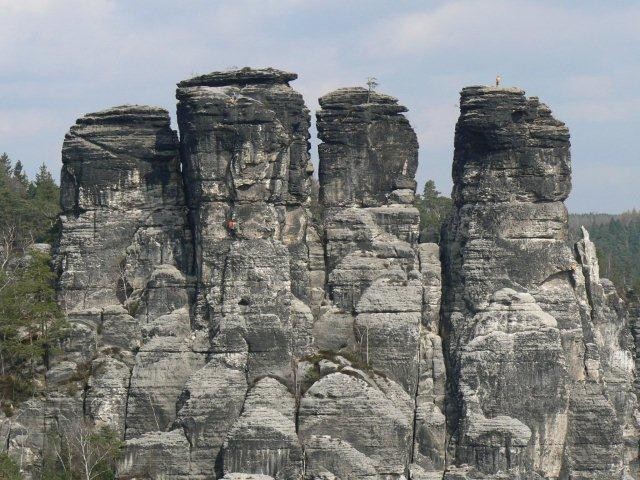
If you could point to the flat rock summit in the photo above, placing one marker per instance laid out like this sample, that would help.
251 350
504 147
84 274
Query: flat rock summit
228 321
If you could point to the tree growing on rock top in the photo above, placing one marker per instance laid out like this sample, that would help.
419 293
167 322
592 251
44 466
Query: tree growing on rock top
372 83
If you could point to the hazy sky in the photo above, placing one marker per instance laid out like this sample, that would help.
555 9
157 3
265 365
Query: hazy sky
60 59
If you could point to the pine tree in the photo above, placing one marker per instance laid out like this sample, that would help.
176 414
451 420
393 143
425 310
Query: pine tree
5 165
13 208
19 175
28 210
31 322
45 196
434 209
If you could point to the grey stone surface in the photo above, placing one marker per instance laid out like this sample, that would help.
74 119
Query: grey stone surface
209 406
246 476
227 325
348 408
260 278
364 131
123 206
124 259
520 324
379 276
156 455
613 336
23 435
264 440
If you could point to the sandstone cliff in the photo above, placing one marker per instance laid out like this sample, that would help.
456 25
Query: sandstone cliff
529 336
226 329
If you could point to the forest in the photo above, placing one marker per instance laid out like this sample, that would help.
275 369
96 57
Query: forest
30 320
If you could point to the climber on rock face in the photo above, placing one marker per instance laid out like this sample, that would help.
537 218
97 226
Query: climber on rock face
498 80
231 223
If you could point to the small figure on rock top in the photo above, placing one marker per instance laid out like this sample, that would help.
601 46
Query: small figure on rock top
498 80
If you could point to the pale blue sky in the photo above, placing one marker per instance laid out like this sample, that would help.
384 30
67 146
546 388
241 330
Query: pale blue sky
62 58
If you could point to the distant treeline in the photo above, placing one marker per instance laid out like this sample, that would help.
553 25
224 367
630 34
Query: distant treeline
617 238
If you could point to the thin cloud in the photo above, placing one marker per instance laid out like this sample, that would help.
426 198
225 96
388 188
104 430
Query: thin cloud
501 27
18 124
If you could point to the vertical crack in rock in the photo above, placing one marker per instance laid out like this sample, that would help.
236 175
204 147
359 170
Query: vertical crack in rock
529 391
429 454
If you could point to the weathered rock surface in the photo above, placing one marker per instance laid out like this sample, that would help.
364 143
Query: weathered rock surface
156 455
123 208
522 342
364 131
226 331
263 440
258 261
125 258
384 285
614 338
355 411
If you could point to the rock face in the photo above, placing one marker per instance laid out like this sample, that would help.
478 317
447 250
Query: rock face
382 283
614 329
529 332
228 324
124 260
246 164
369 149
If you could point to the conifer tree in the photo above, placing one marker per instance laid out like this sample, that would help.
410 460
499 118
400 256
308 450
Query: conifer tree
434 209
31 323
19 175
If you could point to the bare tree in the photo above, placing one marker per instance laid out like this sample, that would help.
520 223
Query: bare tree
372 83
8 237
153 409
123 287
364 339
83 451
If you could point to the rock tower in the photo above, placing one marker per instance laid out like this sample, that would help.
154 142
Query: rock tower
229 320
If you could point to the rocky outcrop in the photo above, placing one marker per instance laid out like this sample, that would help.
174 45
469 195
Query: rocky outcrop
526 358
614 329
123 260
124 256
264 438
383 290
226 323
244 145
365 131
